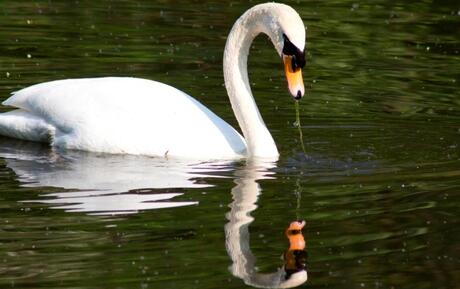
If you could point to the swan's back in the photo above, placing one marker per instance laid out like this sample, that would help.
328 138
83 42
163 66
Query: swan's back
121 115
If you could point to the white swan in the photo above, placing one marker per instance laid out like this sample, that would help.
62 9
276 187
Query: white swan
138 116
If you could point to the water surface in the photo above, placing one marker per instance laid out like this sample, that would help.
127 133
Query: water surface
378 186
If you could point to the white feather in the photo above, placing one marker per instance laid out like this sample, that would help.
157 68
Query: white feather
120 115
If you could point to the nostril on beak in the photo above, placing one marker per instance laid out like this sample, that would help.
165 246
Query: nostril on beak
298 96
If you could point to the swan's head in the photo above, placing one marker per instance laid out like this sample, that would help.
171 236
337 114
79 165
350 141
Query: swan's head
289 40
287 32
294 61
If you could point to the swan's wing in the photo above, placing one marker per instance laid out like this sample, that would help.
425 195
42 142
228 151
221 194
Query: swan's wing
127 115
24 125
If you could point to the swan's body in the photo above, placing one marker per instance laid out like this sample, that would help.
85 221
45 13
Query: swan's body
138 116
119 115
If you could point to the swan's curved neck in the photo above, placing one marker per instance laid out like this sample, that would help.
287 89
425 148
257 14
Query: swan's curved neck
259 141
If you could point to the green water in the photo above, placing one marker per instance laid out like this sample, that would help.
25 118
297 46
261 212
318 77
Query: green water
378 187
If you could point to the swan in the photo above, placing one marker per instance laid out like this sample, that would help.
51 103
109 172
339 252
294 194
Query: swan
125 115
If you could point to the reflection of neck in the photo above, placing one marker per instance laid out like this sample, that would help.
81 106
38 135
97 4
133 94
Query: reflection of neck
236 230
245 195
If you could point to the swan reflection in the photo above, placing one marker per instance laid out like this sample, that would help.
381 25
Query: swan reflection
101 183
245 194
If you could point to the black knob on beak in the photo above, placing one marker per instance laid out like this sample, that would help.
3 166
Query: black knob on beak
298 96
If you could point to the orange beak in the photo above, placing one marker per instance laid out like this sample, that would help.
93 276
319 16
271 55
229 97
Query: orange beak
294 78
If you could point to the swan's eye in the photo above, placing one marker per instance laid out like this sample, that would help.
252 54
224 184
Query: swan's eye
294 63
300 60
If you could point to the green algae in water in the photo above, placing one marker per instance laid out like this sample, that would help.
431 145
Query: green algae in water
299 126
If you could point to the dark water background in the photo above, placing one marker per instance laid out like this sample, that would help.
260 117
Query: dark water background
379 186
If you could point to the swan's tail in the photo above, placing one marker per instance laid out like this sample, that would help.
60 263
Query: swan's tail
26 126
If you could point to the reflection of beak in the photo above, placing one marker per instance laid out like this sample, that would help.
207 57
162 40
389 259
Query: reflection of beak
297 225
295 257
294 234
294 78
